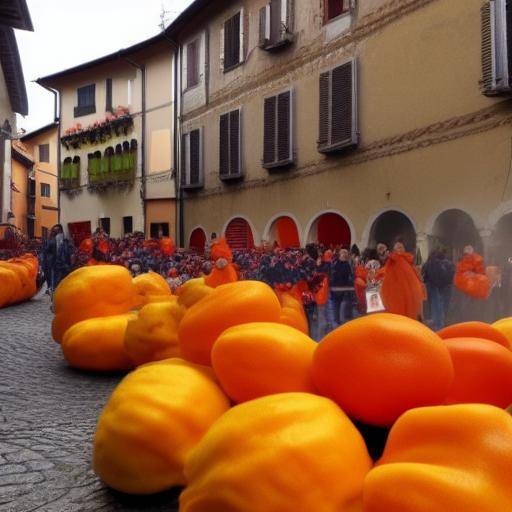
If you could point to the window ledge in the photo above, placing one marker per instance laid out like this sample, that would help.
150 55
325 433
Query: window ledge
195 186
234 66
339 17
192 87
84 111
277 165
279 45
231 177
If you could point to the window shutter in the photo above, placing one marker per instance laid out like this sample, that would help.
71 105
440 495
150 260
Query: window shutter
240 55
488 48
286 18
338 108
269 136
264 26
195 157
192 64
184 159
224 145
325 80
234 142
108 103
275 10
284 146
342 104
223 48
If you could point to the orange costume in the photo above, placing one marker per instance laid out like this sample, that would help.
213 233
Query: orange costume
223 271
471 277
167 247
402 290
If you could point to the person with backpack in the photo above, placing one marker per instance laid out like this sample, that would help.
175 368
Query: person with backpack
438 273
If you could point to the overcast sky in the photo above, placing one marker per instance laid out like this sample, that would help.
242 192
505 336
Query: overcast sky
69 32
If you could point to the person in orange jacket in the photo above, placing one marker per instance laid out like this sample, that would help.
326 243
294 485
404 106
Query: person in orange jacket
223 271
402 290
319 325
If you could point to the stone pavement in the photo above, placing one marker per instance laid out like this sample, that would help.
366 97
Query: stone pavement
48 414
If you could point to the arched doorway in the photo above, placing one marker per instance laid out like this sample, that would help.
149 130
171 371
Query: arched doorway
453 230
198 241
330 229
391 226
502 239
284 232
239 234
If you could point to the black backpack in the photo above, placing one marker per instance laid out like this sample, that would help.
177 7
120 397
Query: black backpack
440 273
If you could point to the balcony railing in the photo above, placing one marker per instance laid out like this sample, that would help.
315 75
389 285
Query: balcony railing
114 167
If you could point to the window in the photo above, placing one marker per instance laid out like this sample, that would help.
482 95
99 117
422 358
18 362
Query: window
159 229
192 159
108 93
338 108
105 224
130 92
192 63
496 47
86 97
232 42
275 24
278 130
127 225
229 150
335 8
44 153
45 190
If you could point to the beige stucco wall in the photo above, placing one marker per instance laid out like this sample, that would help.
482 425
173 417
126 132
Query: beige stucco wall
429 140
116 204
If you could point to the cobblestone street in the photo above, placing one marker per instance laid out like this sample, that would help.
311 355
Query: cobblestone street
48 415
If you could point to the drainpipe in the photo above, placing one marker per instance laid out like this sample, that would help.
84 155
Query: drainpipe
143 137
56 118
178 191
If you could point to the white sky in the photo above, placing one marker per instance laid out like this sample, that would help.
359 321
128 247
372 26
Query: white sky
69 32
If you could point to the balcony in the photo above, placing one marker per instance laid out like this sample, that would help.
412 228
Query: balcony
115 168
70 174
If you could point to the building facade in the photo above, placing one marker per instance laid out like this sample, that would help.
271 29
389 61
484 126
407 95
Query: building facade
43 147
116 151
14 14
344 122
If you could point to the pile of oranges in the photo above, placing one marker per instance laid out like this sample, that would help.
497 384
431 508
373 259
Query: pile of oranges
230 399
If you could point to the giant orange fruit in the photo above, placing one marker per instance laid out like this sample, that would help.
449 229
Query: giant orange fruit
505 327
97 344
474 330
292 452
254 360
379 366
483 372
91 292
228 305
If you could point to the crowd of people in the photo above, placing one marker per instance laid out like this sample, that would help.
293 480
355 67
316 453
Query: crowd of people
335 284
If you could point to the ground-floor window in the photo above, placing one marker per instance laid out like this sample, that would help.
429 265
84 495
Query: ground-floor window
127 225
159 229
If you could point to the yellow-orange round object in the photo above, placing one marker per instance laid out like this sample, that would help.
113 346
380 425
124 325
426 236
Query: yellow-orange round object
228 305
97 344
280 453
444 459
154 418
91 292
153 334
259 359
